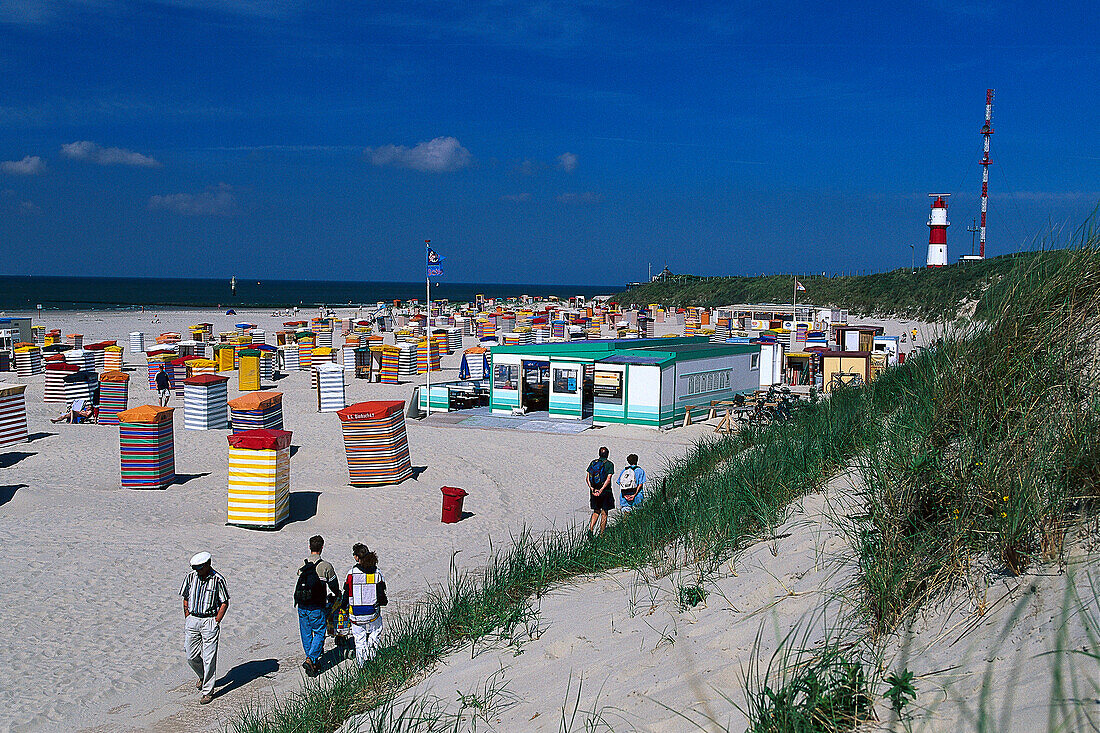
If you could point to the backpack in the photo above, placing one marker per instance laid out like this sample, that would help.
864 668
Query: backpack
628 482
597 474
310 589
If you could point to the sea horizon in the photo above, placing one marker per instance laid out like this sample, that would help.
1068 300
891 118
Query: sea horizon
56 292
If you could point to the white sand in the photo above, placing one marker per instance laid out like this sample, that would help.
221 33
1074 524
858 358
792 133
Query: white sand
93 628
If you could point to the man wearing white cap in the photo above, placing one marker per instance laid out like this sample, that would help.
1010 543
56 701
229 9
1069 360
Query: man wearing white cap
205 601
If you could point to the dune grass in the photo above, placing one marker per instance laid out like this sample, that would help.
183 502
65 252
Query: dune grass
987 445
701 509
933 294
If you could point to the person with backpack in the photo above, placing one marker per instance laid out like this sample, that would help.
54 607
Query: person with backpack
316 578
631 482
365 595
600 496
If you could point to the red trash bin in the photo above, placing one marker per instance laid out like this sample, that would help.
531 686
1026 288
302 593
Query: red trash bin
452 504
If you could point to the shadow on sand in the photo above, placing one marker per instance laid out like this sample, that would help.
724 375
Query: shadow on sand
8 492
303 505
244 673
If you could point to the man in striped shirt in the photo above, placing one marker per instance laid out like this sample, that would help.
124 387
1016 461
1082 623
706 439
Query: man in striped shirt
205 601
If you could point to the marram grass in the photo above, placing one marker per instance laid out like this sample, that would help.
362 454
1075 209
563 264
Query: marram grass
702 508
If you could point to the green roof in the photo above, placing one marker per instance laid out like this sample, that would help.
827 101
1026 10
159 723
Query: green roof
655 351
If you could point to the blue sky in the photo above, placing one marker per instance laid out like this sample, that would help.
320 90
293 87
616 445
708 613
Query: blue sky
550 142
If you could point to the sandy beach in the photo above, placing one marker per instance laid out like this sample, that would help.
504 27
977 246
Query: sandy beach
94 640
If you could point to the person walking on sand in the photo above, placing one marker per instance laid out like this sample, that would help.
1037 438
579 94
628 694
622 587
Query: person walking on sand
631 482
164 386
600 495
205 601
365 594
316 578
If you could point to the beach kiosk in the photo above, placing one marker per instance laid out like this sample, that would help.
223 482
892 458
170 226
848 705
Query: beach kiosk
97 353
13 414
81 357
406 359
204 402
178 369
259 478
137 343
256 411
196 367
146 447
844 367
475 363
290 357
154 361
330 387
248 375
223 355
80 385
427 356
54 388
267 362
28 361
112 358
306 344
240 343
113 396
389 363
375 443
649 382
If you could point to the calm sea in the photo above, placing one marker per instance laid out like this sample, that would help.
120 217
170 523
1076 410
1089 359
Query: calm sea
69 293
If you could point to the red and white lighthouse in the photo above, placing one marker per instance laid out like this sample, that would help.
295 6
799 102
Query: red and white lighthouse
937 230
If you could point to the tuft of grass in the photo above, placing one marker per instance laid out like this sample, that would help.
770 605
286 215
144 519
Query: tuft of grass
806 688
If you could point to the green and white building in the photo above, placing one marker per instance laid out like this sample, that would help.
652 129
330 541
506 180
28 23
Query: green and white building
647 382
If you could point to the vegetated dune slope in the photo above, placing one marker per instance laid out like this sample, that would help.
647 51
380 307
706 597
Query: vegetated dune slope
621 652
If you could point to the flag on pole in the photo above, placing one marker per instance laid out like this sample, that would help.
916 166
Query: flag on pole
435 264
799 287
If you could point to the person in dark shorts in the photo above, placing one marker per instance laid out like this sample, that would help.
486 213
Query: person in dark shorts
164 386
600 496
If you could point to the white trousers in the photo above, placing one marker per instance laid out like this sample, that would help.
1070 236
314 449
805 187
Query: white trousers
367 637
200 643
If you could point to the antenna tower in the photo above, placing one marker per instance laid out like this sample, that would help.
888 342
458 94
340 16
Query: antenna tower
987 130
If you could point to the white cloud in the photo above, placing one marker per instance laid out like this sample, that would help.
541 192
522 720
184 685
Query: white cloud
516 197
529 167
586 197
567 162
441 155
30 165
96 153
217 201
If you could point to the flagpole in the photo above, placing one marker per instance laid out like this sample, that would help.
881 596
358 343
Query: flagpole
794 313
428 329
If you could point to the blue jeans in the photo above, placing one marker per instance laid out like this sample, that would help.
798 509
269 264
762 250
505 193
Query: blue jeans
627 504
311 622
